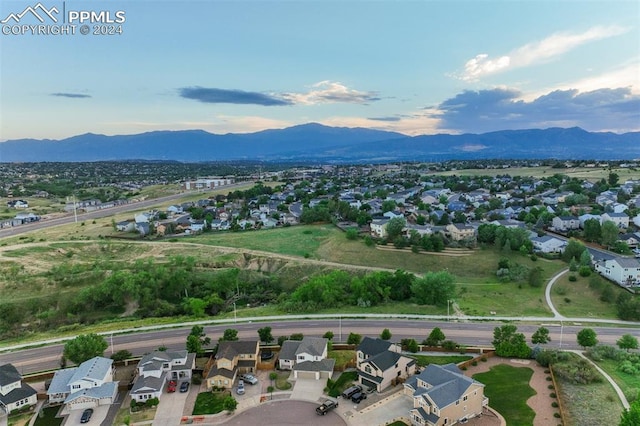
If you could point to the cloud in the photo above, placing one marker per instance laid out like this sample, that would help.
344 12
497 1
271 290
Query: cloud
224 96
536 52
70 95
326 91
394 118
498 109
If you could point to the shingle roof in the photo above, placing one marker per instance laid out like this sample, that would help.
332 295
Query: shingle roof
384 360
288 349
627 262
370 346
447 381
312 345
23 392
326 364
230 349
148 384
107 390
94 369
9 374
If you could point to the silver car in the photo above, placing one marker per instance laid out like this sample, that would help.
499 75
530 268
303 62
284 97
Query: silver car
249 378
240 388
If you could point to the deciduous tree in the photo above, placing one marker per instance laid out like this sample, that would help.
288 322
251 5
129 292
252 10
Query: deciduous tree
587 337
84 347
627 341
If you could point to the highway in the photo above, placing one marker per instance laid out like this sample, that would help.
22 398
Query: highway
467 333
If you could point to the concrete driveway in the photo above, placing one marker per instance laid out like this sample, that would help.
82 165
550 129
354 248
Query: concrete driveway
377 413
98 416
169 411
308 389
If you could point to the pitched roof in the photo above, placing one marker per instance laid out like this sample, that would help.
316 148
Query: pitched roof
23 392
288 349
231 349
326 364
370 346
148 384
9 374
314 346
155 360
107 390
384 360
94 369
447 381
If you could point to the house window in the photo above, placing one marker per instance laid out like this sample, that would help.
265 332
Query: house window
367 369
458 402
464 398
446 421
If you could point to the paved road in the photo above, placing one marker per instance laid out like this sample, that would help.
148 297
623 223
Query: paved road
468 333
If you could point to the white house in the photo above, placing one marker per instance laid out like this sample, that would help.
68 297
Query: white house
158 367
379 227
620 219
565 223
307 358
548 244
14 394
87 386
624 271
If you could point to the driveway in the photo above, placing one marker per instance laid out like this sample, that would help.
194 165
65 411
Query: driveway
378 412
169 411
308 389
284 413
98 416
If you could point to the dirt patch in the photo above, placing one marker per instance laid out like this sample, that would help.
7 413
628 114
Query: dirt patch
541 402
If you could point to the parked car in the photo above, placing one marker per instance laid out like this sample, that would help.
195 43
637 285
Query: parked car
86 415
184 387
249 378
348 393
358 396
326 406
240 388
171 387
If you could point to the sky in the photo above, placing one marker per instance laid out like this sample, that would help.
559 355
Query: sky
414 67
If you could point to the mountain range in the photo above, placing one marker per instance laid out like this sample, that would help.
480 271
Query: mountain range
318 143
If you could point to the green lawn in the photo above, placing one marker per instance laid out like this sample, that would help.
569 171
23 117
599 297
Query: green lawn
630 384
424 360
345 380
282 381
48 417
578 299
508 389
342 357
209 402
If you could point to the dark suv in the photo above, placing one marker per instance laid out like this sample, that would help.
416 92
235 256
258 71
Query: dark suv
86 415
357 397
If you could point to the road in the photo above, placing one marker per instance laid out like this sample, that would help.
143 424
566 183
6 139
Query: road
139 205
467 333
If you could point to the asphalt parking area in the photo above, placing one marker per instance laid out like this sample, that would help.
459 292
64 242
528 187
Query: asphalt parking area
285 413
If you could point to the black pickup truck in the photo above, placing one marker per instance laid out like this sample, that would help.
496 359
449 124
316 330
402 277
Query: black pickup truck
326 406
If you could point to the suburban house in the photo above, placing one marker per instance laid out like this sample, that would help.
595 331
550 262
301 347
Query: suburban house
460 232
18 204
379 227
14 394
380 363
548 244
87 386
156 368
620 219
307 358
624 271
232 358
443 395
565 223
126 226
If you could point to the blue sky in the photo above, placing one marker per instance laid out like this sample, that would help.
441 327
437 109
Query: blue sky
416 67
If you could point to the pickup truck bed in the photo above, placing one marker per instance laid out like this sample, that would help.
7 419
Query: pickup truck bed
327 406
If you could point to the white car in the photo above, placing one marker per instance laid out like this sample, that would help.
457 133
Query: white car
249 378
240 388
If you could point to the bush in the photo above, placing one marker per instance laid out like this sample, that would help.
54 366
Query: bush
474 363
553 395
550 387
556 415
548 379
584 271
554 404
573 278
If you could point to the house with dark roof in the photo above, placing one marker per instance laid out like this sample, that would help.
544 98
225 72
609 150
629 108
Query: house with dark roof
307 358
14 394
232 358
443 395
548 244
87 386
380 364
157 368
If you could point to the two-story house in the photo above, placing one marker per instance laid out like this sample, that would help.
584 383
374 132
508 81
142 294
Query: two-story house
565 223
460 232
620 219
14 394
307 358
380 363
548 244
158 367
86 386
624 271
379 227
232 358
442 395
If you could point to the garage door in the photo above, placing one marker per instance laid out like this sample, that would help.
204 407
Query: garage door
326 374
369 383
306 374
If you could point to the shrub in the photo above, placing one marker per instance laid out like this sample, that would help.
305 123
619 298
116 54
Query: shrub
550 387
474 363
483 359
553 395
584 271
556 415
549 378
573 278
554 404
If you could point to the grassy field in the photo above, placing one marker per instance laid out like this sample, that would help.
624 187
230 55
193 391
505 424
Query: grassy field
48 417
282 381
595 404
508 389
590 173
342 358
578 299
345 380
630 384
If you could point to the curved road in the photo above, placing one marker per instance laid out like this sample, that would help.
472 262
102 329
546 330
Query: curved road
547 294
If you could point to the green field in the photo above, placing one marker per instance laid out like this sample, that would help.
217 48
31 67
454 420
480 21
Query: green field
630 384
590 173
508 389
578 299
424 360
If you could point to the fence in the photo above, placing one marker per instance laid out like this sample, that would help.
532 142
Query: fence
557 392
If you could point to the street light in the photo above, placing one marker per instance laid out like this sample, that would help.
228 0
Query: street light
449 301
